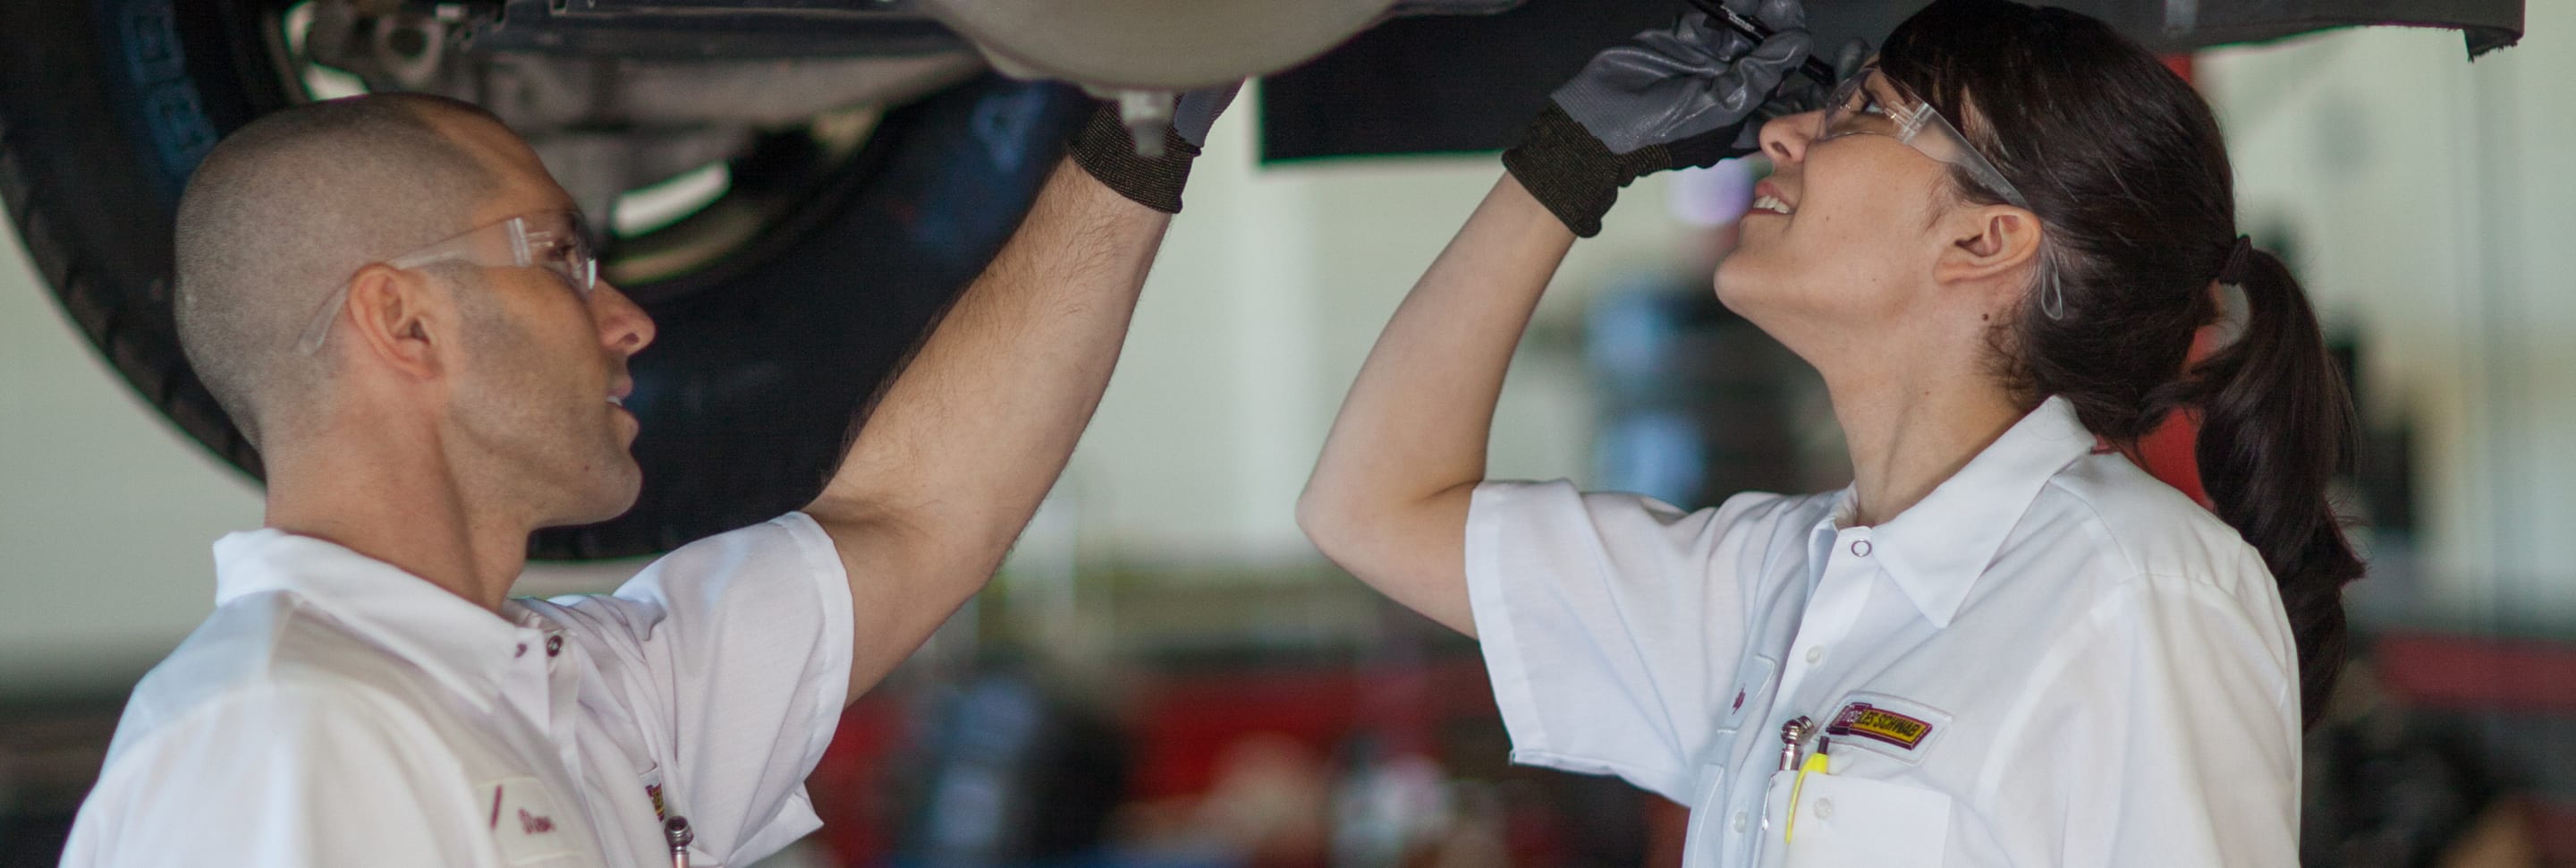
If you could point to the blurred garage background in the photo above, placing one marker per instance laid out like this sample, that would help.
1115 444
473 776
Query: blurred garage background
1167 674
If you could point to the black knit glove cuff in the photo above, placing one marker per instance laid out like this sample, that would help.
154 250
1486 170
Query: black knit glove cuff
1105 149
1573 173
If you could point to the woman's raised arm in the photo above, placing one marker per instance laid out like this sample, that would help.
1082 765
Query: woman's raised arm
1388 500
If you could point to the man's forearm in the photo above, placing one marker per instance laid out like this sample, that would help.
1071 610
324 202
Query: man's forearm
975 429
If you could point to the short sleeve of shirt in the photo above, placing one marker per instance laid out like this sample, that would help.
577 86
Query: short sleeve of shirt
1608 624
733 655
2135 742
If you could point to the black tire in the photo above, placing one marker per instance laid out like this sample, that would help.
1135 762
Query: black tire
747 396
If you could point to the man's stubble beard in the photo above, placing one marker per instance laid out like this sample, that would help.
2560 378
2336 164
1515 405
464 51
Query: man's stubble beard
558 455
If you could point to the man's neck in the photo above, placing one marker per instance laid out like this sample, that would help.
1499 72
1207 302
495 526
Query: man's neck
399 503
1907 432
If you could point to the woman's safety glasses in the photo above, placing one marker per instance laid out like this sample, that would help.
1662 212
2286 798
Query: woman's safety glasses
552 242
1870 103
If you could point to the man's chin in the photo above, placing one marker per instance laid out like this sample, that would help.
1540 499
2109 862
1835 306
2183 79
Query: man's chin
607 501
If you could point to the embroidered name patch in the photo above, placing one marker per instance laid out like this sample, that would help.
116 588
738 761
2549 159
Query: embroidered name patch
1862 720
1887 725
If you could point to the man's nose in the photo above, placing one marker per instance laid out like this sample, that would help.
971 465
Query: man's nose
1785 138
623 326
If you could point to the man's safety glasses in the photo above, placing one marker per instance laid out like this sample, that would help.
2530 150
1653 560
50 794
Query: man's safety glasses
1871 103
555 244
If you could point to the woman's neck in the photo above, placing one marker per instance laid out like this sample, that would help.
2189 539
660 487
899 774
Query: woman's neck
1907 434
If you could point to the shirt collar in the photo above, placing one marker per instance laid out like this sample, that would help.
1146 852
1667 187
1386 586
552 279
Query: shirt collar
1935 550
462 645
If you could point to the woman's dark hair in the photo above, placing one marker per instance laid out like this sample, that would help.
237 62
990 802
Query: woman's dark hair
2123 163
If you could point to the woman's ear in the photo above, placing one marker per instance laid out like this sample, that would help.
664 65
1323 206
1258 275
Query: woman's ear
393 314
1989 244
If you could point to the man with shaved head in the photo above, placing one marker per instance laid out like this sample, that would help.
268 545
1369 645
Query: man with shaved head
301 200
394 301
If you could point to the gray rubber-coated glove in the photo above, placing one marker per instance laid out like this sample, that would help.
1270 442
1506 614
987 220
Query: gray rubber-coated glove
1106 149
1675 97
1196 112
1799 94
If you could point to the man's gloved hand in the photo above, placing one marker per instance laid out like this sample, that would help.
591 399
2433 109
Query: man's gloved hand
1670 98
1105 148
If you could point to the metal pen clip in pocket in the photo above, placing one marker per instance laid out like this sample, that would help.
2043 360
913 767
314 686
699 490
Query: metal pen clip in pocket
676 830
1793 739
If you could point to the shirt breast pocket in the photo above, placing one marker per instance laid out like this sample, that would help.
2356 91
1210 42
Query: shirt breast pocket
1847 822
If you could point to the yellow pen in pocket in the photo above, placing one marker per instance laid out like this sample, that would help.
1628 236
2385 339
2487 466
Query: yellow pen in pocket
1816 763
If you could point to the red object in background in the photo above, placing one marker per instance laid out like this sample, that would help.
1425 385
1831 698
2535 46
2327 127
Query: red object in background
1185 722
2166 452
1181 726
2181 65
848 785
2476 673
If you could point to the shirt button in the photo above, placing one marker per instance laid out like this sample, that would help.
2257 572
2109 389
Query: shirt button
1860 548
1824 808
523 650
1741 823
554 645
1816 654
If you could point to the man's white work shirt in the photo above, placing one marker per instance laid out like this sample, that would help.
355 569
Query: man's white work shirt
337 711
2052 660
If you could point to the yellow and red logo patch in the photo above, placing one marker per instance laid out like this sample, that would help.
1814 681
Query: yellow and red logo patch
1868 721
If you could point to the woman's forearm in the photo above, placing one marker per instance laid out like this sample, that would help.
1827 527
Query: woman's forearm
1388 499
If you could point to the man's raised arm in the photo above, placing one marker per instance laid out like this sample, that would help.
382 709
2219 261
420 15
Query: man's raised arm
972 433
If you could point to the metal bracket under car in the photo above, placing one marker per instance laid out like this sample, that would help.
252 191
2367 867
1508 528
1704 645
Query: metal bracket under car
1139 53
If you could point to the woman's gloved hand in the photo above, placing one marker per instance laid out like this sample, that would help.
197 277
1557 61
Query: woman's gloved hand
1681 96
1800 94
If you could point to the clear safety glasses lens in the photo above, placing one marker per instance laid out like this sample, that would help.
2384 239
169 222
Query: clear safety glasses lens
512 243
566 252
1873 104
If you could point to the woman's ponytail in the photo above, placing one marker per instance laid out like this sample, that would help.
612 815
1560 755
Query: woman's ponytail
2123 162
2274 419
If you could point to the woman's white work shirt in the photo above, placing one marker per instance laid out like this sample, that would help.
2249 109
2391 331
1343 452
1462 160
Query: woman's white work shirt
335 710
2052 660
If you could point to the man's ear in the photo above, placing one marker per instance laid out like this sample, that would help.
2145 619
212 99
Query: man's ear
394 315
1987 243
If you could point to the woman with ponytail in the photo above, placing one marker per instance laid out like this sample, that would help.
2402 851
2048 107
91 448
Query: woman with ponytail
2004 643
